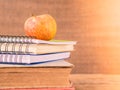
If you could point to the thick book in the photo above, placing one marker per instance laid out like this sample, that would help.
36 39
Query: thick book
51 74
22 48
26 39
60 88
32 58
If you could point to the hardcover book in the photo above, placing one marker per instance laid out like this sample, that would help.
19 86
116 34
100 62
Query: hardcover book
65 88
52 74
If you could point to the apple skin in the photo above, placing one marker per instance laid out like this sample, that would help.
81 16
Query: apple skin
41 27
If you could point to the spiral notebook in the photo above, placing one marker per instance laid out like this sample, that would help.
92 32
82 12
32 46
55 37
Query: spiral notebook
25 39
32 59
30 45
22 48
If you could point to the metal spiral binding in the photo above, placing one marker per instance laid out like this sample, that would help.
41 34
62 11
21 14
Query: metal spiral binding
27 48
1 47
15 39
10 58
25 51
13 48
6 47
4 58
22 48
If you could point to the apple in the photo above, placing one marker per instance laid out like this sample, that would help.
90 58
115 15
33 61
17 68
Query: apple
41 27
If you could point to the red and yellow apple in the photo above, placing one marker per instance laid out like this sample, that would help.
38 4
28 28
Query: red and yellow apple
41 27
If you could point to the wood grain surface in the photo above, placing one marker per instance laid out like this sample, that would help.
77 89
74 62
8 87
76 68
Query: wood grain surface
95 24
95 81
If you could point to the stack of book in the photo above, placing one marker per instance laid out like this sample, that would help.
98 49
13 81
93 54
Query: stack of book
29 63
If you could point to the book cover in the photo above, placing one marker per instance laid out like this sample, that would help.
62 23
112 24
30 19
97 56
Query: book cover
65 88
51 74
32 58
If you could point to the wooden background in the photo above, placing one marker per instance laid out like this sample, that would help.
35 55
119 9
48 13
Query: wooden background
95 24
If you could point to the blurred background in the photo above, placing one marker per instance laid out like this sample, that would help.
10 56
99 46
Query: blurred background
94 24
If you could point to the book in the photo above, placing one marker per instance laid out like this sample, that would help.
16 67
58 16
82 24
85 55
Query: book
50 75
22 48
26 39
32 58
65 88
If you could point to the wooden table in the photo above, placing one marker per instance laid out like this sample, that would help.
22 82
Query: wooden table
96 81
